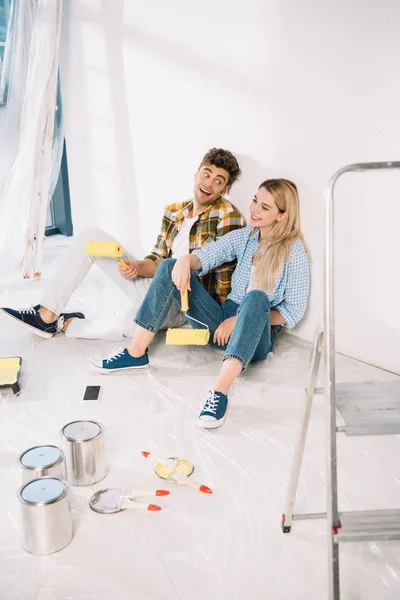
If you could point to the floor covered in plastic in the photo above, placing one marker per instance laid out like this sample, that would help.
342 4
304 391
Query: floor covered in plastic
228 545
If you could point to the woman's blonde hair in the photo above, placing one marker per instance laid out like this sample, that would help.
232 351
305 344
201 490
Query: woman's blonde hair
274 250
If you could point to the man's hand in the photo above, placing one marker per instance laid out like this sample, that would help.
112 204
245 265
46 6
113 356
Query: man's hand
181 273
224 331
222 299
131 271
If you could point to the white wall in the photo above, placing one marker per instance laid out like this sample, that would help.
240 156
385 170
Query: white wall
295 89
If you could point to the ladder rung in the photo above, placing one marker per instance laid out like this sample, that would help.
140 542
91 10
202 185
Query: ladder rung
308 516
369 408
367 525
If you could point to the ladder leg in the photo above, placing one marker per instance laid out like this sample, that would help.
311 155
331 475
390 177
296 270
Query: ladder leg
334 582
302 436
332 513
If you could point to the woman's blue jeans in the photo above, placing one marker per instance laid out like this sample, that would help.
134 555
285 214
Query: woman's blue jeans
252 338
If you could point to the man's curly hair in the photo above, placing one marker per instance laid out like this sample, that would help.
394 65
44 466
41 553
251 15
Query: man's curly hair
223 159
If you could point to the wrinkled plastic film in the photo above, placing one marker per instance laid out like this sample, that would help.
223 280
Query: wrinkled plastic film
22 15
58 142
225 545
30 51
6 64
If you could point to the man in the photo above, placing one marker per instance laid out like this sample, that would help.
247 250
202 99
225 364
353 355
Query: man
185 227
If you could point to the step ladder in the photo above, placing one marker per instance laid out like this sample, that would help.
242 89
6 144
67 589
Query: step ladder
367 408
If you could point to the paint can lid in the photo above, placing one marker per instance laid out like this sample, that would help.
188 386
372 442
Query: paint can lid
41 457
43 491
82 431
108 501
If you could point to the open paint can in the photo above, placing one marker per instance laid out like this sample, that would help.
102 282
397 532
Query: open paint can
42 461
182 465
83 443
46 515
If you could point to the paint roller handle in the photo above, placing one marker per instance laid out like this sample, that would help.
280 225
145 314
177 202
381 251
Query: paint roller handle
184 300
181 274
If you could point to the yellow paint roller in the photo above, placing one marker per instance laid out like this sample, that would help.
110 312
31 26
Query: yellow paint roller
106 250
188 337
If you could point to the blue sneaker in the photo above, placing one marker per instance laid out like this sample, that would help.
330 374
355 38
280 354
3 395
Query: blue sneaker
121 360
214 410
31 320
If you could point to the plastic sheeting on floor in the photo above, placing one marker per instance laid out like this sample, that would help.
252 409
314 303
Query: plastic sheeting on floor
225 546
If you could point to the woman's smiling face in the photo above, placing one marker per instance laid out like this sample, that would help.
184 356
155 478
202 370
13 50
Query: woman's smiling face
263 210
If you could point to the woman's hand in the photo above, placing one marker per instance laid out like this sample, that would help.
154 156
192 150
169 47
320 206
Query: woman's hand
181 273
131 271
224 331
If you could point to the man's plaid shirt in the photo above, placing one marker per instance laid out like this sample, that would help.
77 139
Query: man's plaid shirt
214 222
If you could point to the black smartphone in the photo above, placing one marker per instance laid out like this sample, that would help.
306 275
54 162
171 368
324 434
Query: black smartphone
92 393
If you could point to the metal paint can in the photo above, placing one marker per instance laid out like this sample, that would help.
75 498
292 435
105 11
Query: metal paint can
42 461
46 515
83 443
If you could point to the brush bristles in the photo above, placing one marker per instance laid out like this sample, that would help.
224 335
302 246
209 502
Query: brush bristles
187 337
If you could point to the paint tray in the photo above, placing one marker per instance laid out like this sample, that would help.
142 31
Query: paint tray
9 373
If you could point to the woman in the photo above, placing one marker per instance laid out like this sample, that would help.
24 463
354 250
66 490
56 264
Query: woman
270 288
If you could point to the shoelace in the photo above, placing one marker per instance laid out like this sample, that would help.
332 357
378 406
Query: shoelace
116 354
33 311
211 404
28 311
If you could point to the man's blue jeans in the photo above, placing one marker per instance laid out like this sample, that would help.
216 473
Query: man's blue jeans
252 338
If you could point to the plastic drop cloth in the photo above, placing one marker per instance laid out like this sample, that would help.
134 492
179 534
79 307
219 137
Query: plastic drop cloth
228 545
28 63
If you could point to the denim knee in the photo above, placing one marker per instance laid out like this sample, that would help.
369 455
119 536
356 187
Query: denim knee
166 266
256 298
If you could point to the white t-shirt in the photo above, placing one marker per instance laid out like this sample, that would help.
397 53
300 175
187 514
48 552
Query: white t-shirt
252 283
180 245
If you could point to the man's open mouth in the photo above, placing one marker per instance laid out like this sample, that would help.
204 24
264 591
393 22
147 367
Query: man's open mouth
204 191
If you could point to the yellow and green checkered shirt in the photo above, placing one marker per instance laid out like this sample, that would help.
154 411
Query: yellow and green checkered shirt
214 222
